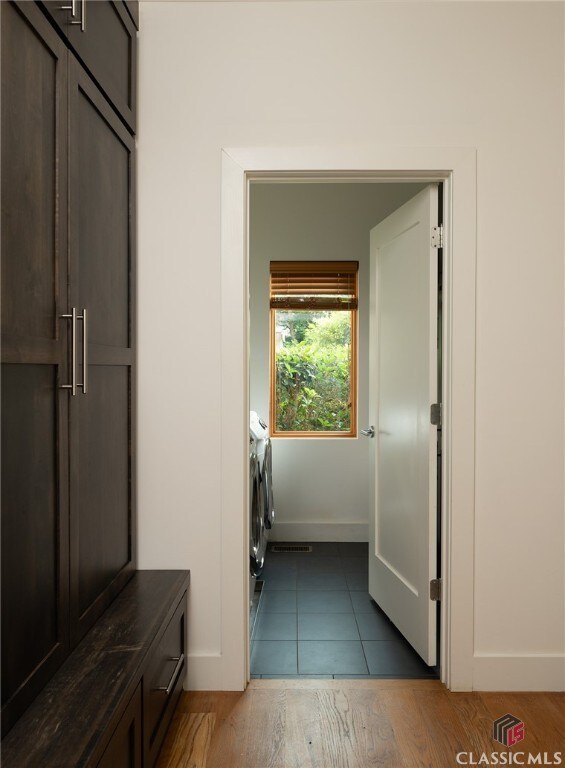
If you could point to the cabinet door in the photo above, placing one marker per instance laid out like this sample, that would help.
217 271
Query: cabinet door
103 36
124 748
34 356
101 220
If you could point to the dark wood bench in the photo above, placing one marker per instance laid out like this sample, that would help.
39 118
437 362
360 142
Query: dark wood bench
111 702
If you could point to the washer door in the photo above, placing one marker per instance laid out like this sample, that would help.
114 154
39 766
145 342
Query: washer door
261 529
256 519
268 485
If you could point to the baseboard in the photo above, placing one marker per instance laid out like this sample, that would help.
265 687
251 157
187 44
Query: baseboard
312 531
209 673
534 672
203 673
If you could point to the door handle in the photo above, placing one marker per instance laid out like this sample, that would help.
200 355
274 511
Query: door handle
73 317
369 432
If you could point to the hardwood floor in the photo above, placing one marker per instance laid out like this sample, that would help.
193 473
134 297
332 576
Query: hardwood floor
354 724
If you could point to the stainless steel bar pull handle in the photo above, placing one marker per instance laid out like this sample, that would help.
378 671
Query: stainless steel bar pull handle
72 8
174 677
84 385
82 21
73 385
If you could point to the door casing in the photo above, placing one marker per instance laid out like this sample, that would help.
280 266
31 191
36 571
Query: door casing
456 167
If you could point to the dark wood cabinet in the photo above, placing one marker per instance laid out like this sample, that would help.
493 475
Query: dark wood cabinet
102 35
35 448
162 685
68 245
124 749
106 696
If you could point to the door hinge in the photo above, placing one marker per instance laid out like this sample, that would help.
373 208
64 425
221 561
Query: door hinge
437 236
435 414
435 589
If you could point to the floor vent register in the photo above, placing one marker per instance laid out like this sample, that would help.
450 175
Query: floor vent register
291 548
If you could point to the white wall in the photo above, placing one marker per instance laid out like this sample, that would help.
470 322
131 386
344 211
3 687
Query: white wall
321 485
342 73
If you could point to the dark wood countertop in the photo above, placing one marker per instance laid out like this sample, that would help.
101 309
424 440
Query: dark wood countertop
64 726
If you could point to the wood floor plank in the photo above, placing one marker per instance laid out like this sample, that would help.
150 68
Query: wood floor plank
377 736
338 729
264 747
189 741
554 709
411 737
303 741
351 724
475 720
341 684
445 732
346 728
544 730
232 725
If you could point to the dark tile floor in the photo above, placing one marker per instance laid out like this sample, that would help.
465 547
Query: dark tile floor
316 619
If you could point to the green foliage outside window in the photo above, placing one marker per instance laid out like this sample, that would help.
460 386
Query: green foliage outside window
313 371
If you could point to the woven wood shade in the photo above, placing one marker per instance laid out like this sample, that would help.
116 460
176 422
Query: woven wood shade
324 285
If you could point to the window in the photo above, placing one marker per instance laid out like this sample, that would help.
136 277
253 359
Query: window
313 348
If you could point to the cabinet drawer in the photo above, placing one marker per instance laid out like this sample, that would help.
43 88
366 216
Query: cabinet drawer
103 36
162 683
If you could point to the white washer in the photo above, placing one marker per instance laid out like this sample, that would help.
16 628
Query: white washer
258 428
257 543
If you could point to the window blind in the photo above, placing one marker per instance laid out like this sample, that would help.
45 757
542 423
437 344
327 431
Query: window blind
324 285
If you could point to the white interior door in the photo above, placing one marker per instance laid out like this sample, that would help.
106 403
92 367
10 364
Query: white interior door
403 385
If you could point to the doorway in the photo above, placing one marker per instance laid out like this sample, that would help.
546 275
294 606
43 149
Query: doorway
316 615
239 167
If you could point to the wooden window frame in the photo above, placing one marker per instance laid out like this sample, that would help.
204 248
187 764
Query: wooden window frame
353 390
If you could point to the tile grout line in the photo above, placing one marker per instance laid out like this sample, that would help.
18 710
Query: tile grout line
360 638
342 571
